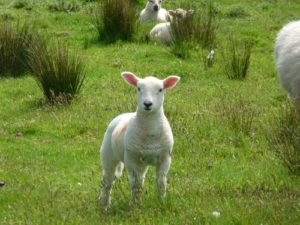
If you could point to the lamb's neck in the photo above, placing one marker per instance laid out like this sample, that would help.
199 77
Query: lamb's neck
152 14
150 123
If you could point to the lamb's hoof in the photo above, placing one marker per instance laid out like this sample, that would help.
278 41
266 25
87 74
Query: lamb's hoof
104 208
104 204
135 201
2 184
162 196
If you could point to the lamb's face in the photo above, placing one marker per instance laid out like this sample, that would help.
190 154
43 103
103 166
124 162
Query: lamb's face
181 13
150 90
154 5
150 94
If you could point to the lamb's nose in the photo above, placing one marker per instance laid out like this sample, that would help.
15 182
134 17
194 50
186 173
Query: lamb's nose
147 104
155 8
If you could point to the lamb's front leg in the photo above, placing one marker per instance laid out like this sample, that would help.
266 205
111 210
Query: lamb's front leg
137 177
162 169
137 171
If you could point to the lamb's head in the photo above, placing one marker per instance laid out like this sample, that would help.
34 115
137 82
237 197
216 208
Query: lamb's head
150 90
181 13
154 5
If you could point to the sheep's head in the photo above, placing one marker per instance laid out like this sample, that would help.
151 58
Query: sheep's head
181 13
154 5
150 90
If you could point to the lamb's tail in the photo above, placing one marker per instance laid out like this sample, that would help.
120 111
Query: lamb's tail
119 170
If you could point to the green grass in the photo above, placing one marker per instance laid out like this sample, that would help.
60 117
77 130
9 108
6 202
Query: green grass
15 40
237 59
115 20
58 71
49 155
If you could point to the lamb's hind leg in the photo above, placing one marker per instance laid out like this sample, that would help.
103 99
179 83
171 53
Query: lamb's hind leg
109 168
107 185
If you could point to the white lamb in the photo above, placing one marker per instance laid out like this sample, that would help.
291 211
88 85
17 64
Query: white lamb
153 12
139 139
162 32
287 50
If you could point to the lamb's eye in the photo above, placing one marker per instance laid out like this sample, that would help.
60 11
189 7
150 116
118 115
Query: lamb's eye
160 90
139 89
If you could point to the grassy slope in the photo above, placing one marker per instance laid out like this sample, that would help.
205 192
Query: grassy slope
49 156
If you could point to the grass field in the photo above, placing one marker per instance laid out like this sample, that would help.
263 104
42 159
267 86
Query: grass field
49 155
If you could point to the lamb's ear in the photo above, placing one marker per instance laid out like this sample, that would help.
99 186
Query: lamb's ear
172 12
190 12
171 82
130 78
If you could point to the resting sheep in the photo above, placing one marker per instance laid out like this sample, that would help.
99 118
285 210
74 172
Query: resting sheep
153 12
139 139
162 32
287 53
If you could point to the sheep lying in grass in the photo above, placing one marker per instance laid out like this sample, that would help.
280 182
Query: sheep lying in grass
162 32
153 12
287 50
139 139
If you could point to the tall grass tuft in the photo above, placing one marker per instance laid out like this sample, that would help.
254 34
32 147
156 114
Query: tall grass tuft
237 113
237 11
182 33
14 43
58 71
6 16
115 20
205 26
236 59
137 2
64 6
199 28
20 4
284 137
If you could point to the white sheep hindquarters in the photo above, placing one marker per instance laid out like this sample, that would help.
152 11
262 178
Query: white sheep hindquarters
162 33
139 139
287 50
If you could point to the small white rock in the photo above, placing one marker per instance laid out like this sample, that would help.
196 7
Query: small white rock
79 184
210 55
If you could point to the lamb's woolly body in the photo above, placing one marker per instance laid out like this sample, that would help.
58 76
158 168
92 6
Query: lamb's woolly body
146 136
139 139
287 50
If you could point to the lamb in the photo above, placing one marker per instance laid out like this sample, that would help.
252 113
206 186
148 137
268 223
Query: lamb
153 12
287 53
139 139
162 32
